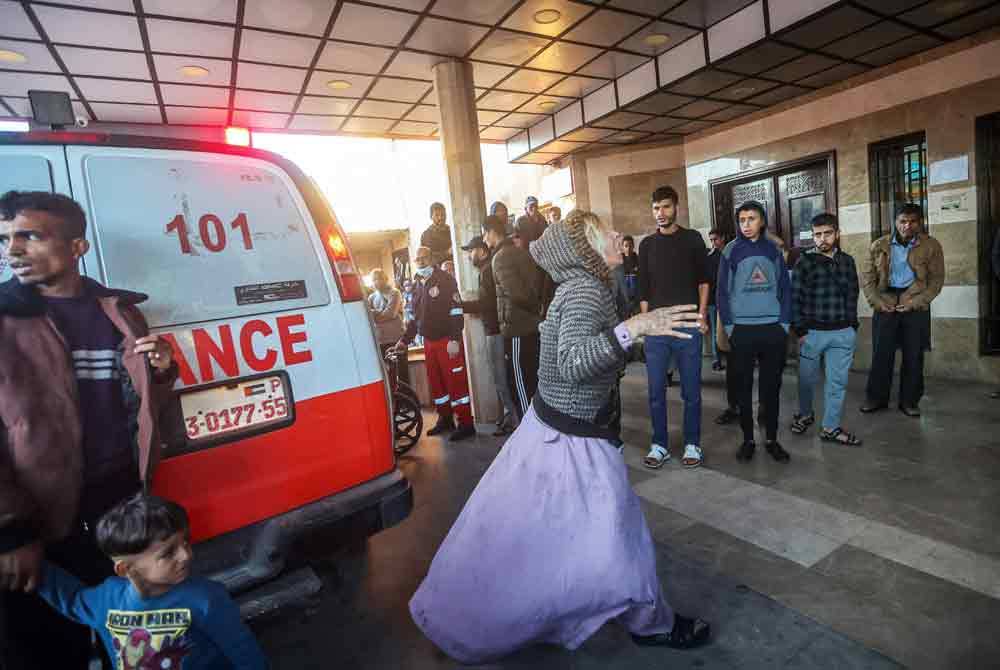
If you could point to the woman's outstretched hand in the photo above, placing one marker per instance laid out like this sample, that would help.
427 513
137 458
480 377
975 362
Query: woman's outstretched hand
665 321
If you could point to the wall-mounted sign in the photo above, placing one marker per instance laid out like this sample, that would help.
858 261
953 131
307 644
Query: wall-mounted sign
950 170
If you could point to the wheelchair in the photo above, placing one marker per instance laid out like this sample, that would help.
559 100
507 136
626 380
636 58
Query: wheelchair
407 417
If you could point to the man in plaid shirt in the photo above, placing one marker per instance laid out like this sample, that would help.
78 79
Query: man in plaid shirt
825 318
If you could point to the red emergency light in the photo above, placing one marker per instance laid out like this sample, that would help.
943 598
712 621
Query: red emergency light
237 136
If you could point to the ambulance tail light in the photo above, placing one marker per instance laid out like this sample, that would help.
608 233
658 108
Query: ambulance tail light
348 279
238 137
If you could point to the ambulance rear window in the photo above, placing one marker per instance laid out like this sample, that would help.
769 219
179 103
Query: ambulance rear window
206 237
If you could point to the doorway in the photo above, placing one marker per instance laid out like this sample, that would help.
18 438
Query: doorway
988 205
792 193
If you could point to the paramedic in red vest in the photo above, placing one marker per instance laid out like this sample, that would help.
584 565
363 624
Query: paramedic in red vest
437 308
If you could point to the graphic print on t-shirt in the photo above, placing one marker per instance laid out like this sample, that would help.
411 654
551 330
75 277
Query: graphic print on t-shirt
94 364
151 640
758 280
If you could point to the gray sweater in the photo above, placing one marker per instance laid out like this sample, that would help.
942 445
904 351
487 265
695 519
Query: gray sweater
580 356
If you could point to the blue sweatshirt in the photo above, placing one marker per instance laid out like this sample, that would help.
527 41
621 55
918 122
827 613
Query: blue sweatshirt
753 286
193 626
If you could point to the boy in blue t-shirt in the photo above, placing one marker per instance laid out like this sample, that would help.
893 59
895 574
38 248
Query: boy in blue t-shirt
154 615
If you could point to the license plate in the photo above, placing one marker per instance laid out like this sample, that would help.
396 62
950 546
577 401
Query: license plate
240 406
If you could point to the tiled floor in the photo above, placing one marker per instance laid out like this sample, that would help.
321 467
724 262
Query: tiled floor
875 557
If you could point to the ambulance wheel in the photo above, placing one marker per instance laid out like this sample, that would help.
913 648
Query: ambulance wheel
408 422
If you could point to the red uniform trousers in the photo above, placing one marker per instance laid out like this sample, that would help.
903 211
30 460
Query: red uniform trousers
448 381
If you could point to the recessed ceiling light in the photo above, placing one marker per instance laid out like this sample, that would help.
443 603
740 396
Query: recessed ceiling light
656 39
338 84
544 16
547 104
194 71
12 56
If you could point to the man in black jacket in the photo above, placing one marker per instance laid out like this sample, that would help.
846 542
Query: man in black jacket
716 242
437 236
486 308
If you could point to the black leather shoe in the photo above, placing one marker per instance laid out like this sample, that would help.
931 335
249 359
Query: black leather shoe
442 426
777 452
870 407
728 416
745 452
670 379
910 410
463 433
995 395
686 634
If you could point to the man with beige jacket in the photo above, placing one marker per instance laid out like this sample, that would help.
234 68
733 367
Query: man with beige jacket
904 273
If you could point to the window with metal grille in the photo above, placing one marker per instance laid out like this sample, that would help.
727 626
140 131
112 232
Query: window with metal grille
898 173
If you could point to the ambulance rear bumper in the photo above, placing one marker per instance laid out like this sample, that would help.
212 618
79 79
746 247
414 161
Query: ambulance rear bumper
253 555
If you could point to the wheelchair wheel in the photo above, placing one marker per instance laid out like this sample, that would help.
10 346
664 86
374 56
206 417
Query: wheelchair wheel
408 422
402 388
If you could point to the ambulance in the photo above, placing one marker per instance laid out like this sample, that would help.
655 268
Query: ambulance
283 421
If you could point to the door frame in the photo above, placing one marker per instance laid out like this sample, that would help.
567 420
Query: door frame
986 228
774 170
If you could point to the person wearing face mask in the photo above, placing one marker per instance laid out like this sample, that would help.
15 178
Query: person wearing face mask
437 308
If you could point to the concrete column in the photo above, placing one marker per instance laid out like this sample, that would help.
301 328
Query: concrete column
581 182
464 166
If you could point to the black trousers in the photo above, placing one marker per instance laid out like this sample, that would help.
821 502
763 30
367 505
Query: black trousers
521 357
764 345
732 387
911 332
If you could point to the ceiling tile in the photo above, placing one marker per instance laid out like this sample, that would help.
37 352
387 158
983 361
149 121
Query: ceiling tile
486 75
329 106
405 90
868 39
613 64
524 17
648 7
833 75
802 67
200 96
89 28
20 106
587 135
111 90
356 125
259 119
939 11
264 102
19 83
359 84
698 109
731 113
428 113
359 58
659 103
536 105
742 90
661 123
371 24
413 64
277 49
891 6
561 147
112 5
486 117
168 68
605 27
903 49
15 22
446 37
308 17
675 34
693 126
389 110
412 5
414 128
320 123
621 120
565 57
204 10
196 116
497 133
704 82
190 38
480 11
108 112
38 57
104 63
503 100
270 77
576 87
520 120
829 26
531 81
759 58
503 46
972 23
704 13
780 94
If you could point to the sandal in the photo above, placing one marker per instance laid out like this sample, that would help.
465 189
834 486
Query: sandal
692 456
656 457
840 436
800 424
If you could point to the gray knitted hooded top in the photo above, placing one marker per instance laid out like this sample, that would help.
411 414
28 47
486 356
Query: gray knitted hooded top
580 357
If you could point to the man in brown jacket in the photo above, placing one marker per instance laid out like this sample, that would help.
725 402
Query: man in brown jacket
82 385
904 273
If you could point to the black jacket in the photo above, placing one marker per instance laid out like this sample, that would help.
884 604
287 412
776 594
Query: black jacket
712 266
438 240
486 305
437 309
520 285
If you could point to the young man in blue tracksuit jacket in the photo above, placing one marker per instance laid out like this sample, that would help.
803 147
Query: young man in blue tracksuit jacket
754 299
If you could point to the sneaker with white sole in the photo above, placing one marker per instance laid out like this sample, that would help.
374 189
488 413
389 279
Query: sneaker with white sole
692 456
656 457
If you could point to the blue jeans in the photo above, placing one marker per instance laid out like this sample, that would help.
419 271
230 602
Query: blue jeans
837 347
713 323
687 355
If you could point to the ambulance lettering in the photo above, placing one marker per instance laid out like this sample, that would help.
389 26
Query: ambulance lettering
259 345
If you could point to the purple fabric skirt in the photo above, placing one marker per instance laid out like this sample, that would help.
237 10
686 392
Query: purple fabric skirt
550 546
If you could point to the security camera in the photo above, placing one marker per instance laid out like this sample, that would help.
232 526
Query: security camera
82 122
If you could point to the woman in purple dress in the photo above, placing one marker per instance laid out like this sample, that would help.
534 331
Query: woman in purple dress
552 544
